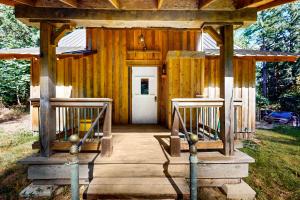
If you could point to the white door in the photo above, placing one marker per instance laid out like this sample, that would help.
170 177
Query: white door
144 95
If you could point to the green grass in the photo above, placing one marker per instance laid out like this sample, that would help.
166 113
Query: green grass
276 171
14 147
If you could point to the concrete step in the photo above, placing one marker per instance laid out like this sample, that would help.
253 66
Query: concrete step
138 170
137 188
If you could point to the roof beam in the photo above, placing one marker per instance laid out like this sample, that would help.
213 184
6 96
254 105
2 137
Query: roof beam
214 34
60 33
273 4
115 3
137 16
159 4
250 3
26 2
204 3
71 3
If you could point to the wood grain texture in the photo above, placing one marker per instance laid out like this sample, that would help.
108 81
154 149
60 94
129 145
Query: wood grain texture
106 74
47 89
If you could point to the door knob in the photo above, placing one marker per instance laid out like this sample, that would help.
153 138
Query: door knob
155 98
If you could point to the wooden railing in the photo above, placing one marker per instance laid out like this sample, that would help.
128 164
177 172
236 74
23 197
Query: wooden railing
80 116
200 116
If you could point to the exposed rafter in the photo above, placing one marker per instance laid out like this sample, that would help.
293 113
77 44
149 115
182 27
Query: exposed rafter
249 3
214 34
115 3
71 3
204 3
26 2
159 3
274 4
60 33
7 2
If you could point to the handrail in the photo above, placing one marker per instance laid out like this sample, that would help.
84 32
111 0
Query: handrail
192 141
75 149
73 102
182 124
92 127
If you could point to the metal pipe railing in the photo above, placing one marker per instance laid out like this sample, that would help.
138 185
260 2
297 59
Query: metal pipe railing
193 159
74 151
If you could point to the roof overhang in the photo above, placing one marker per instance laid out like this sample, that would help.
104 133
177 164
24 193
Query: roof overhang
30 53
263 56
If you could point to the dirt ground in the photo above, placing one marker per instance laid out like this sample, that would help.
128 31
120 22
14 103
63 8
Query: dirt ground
23 122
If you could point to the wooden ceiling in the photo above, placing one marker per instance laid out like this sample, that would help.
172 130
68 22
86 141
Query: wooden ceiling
151 4
140 13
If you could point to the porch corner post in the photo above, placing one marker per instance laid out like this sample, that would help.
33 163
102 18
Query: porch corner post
107 140
47 88
226 89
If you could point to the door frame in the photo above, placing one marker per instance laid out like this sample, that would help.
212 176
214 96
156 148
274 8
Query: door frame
130 89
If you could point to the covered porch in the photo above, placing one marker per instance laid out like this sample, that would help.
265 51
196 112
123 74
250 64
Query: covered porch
197 108
140 159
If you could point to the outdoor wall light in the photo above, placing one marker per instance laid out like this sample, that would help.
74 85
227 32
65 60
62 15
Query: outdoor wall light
142 42
164 70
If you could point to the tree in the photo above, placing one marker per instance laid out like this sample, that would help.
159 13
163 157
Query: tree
15 75
276 29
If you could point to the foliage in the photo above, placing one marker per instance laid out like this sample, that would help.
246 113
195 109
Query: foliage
261 101
15 75
275 173
276 29
14 82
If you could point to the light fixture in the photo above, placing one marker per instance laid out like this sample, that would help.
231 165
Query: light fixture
164 69
142 42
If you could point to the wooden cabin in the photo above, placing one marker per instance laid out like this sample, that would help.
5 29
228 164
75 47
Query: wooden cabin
133 84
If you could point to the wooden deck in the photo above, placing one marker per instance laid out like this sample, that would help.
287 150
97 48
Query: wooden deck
140 157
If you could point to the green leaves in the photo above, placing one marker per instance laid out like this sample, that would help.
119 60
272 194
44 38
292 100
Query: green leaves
14 82
13 33
276 30
15 75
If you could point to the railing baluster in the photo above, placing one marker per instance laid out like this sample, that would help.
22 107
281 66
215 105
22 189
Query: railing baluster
72 120
191 119
197 120
98 125
78 121
203 122
39 120
84 116
209 122
91 112
59 122
64 120
184 116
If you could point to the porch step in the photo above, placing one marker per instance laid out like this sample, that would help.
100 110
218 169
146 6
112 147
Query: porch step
137 188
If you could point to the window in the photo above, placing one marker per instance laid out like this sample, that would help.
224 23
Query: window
144 86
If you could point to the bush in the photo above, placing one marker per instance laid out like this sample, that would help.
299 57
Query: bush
290 102
262 101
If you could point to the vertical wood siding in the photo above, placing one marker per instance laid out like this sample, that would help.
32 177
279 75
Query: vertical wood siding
106 73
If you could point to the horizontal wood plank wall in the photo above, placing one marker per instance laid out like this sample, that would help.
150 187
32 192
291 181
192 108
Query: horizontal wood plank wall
106 73
190 77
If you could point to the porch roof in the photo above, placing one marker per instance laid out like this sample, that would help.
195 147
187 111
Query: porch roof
137 13
151 4
74 44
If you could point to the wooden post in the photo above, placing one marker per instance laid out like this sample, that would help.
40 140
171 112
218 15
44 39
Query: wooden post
226 89
106 141
174 138
47 88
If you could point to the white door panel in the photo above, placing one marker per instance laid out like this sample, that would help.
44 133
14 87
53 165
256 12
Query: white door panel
144 95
